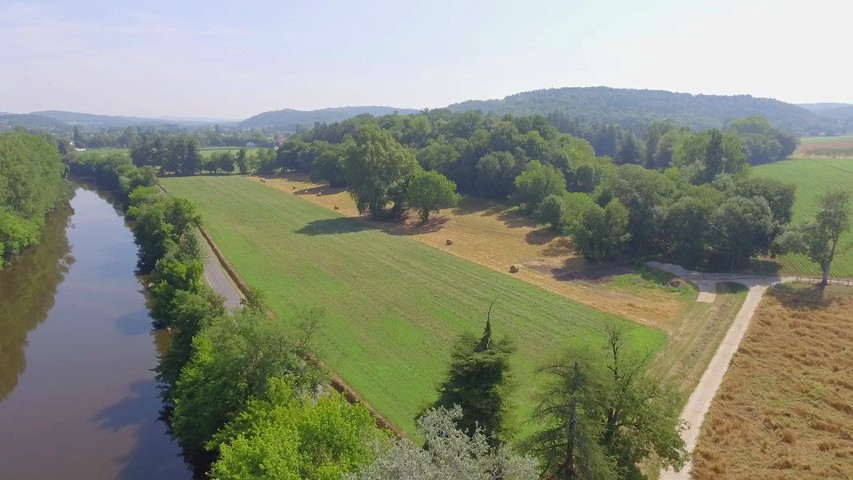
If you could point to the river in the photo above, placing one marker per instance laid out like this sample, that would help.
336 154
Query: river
78 398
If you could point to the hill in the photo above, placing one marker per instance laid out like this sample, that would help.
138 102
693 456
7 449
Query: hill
290 119
10 121
634 108
841 113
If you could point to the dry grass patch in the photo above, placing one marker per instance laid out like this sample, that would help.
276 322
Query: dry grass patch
496 236
785 408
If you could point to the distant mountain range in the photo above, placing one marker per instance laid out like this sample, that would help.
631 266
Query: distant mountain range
626 107
290 119
630 108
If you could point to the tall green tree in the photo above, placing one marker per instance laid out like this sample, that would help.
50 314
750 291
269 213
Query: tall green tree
378 170
478 381
740 228
603 415
430 191
601 233
818 238
536 182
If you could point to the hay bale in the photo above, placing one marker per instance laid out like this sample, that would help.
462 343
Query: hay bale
293 187
448 242
513 269
263 181
337 207
675 283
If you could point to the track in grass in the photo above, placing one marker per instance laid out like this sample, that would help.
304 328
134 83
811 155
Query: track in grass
394 306
813 177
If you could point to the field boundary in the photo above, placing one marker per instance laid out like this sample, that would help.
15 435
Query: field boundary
335 381
844 282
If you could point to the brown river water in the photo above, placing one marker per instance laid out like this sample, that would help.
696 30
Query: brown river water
78 399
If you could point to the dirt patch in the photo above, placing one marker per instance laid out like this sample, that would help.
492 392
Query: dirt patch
784 407
496 236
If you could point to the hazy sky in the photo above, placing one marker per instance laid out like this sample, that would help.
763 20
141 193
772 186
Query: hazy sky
235 59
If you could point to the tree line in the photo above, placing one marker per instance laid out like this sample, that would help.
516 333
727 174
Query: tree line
32 183
692 200
179 155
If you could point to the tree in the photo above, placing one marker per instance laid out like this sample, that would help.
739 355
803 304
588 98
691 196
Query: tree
431 191
536 182
242 161
603 415
819 237
287 434
601 233
378 170
232 360
478 381
740 228
495 172
449 454
552 211
632 151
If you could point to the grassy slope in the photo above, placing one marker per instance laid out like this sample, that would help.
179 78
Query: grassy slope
394 306
813 177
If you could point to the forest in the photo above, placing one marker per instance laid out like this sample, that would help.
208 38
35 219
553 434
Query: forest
677 193
31 183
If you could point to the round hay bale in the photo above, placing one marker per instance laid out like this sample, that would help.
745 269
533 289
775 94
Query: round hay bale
337 207
448 242
675 283
513 269
293 187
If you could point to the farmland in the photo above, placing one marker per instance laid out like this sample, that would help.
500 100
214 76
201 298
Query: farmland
785 408
496 236
393 306
826 146
813 177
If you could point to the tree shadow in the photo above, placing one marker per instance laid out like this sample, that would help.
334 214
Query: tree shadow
153 456
435 224
514 219
800 298
134 323
472 204
333 226
541 236
579 268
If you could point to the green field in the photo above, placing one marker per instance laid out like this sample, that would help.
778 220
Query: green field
394 306
813 176
204 151
208 151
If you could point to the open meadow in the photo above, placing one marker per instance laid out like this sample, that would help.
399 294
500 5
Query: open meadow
813 177
393 306
496 236
785 408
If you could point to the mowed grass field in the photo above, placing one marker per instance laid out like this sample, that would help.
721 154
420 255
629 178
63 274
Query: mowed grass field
393 306
813 177
785 407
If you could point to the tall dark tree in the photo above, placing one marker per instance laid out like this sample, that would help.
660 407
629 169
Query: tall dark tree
478 380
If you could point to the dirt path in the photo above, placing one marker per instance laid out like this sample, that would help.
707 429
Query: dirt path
218 280
701 398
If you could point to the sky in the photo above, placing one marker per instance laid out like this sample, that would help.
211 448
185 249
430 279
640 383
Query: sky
231 60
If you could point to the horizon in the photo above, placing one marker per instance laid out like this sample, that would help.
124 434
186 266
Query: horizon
184 118
162 59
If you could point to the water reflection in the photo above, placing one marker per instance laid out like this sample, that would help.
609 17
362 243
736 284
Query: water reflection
27 292
78 397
